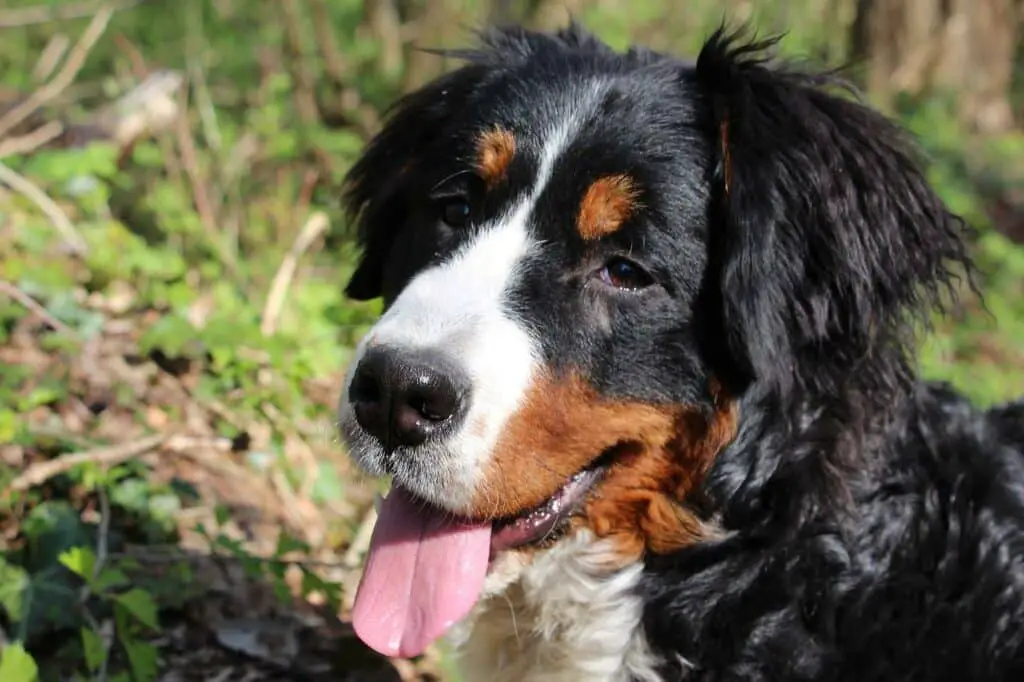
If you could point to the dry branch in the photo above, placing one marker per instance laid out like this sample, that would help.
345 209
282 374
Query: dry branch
39 473
149 107
25 144
303 78
33 306
315 226
64 77
40 14
50 58
200 188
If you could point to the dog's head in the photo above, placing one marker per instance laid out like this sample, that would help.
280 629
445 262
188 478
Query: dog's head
588 256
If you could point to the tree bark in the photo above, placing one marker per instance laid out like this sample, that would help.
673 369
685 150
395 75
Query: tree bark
964 47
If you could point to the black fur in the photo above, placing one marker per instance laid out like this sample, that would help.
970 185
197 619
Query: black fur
874 522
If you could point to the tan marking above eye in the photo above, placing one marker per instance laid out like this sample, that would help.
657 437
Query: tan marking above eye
495 149
606 205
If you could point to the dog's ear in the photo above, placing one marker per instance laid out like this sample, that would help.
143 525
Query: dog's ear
827 244
375 189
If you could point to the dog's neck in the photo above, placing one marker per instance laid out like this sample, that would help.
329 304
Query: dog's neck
561 615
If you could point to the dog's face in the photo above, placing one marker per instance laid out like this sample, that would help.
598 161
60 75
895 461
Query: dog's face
541 279
586 258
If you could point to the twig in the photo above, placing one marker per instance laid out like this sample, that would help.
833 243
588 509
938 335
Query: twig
64 77
47 205
336 67
385 22
39 473
51 56
25 144
361 540
34 306
200 196
299 68
40 14
315 226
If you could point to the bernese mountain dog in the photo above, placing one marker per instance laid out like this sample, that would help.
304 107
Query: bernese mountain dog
645 384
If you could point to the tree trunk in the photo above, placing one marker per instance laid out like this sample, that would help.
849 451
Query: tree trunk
966 47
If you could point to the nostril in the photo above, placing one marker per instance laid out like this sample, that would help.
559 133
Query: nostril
365 388
433 397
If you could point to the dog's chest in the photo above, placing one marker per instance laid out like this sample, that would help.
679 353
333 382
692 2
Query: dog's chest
561 618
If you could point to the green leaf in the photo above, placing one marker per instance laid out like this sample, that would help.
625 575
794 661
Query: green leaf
287 543
172 334
108 579
17 665
281 590
14 581
140 604
52 528
311 582
8 425
80 560
43 603
94 648
142 657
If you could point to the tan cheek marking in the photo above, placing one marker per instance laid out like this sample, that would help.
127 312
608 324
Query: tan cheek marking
641 503
560 428
607 204
495 149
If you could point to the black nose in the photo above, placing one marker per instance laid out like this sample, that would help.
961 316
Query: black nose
403 398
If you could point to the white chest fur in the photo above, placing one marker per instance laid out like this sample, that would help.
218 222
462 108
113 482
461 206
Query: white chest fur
562 617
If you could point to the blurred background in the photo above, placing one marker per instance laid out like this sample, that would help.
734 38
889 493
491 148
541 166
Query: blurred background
174 503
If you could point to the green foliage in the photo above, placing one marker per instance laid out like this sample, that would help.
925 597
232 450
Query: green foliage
17 665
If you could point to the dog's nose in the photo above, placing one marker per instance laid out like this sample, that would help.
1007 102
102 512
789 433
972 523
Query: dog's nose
403 398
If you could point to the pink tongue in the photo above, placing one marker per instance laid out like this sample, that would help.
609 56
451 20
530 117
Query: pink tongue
424 572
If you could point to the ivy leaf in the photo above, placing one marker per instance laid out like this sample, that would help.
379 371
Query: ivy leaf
142 657
108 579
94 648
52 528
140 604
79 560
17 665
14 582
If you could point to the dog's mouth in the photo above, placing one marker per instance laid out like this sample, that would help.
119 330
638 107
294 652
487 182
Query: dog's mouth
426 568
545 521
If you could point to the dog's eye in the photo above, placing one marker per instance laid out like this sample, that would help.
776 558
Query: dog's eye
454 211
625 274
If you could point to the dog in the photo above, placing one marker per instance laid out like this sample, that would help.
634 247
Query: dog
644 382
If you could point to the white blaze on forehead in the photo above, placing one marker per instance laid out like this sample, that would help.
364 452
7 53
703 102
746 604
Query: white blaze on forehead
459 308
